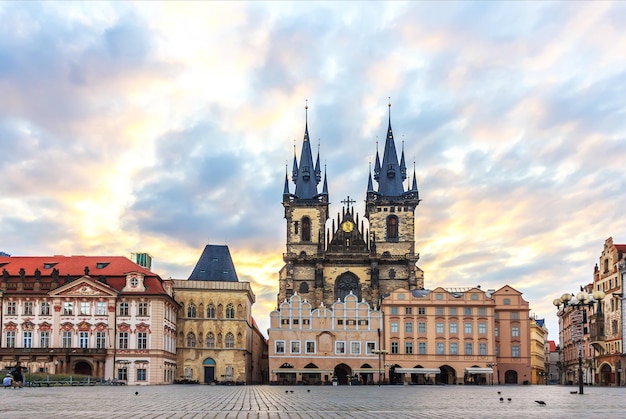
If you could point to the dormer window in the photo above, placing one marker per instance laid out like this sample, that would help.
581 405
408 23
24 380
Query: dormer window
134 282
101 265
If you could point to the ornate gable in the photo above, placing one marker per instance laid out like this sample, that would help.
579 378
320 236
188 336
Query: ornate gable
84 286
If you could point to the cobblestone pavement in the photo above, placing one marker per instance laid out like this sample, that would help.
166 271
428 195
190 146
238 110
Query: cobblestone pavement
200 401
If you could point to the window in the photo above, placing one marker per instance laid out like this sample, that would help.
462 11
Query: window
11 308
122 374
123 309
452 311
421 348
68 309
122 341
229 340
394 347
394 327
469 348
191 340
408 310
306 229
142 340
514 315
467 328
191 310
421 311
408 348
439 296
66 338
515 351
482 328
84 309
229 372
210 340
394 310
370 347
467 311
210 311
45 308
453 328
440 348
421 327
482 347
439 311
355 348
474 297
482 311
28 339
101 339
83 339
230 311
310 346
28 308
454 348
506 301
392 227
44 339
515 331
340 347
408 327
101 308
439 328
142 309
141 374
295 346
279 346
496 331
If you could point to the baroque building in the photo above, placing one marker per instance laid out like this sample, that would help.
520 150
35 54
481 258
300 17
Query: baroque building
100 316
218 340
326 260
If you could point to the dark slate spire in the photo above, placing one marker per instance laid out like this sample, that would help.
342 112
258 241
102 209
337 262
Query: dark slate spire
286 189
306 181
325 187
402 165
377 165
390 179
318 170
294 172
370 185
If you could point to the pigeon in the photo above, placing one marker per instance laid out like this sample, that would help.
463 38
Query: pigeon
308 391
540 402
136 393
509 399
573 392
501 399
286 391
291 391
499 392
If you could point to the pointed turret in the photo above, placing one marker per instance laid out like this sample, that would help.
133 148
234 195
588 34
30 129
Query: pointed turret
402 164
390 179
377 165
318 170
306 180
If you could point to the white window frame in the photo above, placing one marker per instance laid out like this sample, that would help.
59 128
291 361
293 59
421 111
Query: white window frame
355 347
294 346
340 347
279 344
306 347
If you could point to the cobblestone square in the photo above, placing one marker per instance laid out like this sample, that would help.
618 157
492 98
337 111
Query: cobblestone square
199 401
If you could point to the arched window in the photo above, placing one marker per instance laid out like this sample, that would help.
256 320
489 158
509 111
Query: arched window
230 340
191 340
230 311
392 227
210 340
346 283
210 311
304 288
191 310
306 229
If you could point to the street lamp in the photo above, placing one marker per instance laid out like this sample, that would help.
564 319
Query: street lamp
580 301
380 352
491 365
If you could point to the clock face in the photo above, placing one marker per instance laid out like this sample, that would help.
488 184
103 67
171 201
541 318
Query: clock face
347 226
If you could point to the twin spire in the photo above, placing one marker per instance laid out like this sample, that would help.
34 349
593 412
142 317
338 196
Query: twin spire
390 174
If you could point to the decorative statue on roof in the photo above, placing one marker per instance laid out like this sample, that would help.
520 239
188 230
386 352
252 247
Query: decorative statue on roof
37 275
55 275
5 275
86 270
22 274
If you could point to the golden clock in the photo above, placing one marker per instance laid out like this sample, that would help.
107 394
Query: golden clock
347 226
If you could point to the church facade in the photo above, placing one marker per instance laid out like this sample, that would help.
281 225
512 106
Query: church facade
325 260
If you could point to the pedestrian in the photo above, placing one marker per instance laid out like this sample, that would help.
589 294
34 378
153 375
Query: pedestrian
7 381
16 372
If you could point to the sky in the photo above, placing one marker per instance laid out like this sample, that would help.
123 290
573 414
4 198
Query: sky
161 127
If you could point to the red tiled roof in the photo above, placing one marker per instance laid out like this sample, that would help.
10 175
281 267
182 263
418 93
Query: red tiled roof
621 247
552 346
113 268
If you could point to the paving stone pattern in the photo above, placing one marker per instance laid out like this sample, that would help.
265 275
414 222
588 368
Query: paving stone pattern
265 402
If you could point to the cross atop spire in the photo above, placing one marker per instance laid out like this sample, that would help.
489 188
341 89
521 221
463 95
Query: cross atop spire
348 201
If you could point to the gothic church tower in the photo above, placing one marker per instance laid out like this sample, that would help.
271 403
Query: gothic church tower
325 259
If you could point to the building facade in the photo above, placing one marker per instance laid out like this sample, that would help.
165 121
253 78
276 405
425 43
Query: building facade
538 351
321 345
218 340
100 316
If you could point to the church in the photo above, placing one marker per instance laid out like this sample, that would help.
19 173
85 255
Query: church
325 259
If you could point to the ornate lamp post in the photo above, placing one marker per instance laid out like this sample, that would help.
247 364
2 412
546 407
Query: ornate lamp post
582 300
491 365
